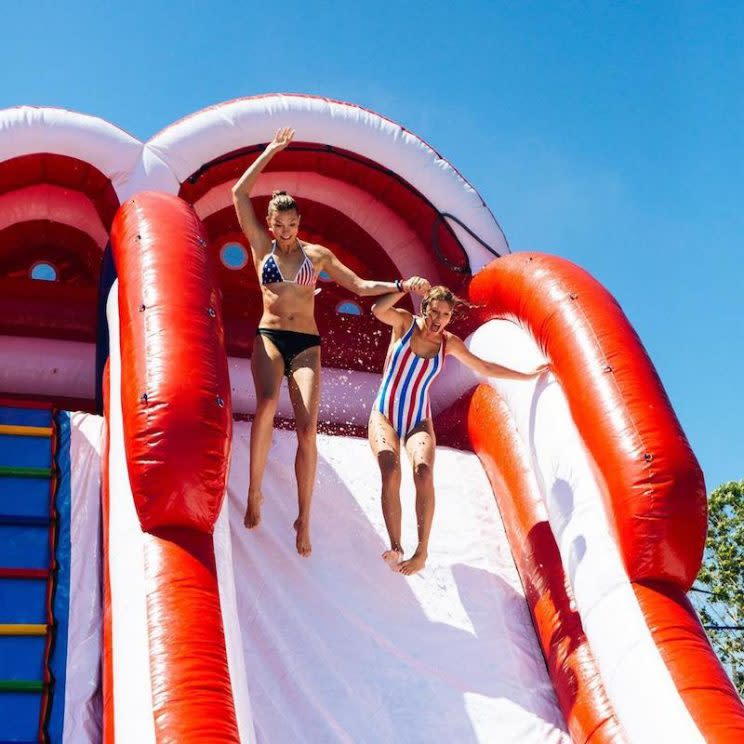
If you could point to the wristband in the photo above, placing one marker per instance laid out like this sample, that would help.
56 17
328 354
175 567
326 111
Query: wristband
399 285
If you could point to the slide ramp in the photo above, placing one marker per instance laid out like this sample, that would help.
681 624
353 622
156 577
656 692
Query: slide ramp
338 648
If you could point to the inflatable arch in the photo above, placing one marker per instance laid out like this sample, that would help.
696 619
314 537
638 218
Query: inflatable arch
573 509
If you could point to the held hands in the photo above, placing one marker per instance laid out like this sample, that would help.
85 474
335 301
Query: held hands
281 139
417 284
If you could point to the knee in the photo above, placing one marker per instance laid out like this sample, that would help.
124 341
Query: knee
422 472
306 433
389 464
266 399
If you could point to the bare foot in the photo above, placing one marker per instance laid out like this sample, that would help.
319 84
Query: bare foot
392 557
414 564
303 538
253 509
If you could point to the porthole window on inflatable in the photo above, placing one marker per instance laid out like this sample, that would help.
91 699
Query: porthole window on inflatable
348 308
324 276
44 271
234 256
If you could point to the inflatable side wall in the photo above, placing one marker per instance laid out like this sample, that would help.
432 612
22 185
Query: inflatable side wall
169 435
605 510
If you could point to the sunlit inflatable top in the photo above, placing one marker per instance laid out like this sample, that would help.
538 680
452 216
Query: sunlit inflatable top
379 196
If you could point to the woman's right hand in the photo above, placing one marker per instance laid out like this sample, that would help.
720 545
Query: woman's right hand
281 139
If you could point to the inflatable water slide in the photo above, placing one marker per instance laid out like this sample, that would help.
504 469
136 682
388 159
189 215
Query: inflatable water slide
136 608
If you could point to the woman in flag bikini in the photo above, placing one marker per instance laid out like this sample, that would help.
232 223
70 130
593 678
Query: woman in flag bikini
287 340
402 411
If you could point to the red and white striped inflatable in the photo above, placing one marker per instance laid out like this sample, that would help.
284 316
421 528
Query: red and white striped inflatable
603 502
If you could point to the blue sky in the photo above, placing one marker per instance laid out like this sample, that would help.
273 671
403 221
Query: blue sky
610 134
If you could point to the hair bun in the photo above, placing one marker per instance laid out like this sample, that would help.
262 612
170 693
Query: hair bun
281 201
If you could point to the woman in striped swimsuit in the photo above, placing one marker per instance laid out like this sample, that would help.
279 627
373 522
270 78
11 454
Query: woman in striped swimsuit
287 341
402 411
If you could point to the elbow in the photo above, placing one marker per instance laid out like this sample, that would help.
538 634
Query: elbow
239 193
380 308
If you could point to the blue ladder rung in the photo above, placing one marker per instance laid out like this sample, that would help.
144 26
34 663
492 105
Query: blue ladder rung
24 520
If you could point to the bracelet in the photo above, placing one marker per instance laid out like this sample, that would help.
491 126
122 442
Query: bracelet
399 285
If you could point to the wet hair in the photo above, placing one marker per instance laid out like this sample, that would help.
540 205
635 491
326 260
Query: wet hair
281 201
443 294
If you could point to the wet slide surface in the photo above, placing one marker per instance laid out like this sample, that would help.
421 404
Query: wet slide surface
338 648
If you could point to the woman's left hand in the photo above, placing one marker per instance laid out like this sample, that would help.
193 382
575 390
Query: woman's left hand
541 369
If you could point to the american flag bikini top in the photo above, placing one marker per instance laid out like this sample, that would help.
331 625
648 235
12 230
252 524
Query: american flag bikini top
271 274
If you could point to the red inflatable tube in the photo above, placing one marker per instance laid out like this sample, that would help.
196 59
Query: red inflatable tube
704 687
175 387
655 494
571 665
191 689
177 419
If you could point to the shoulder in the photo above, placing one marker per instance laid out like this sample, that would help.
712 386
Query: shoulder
406 316
452 342
404 321
266 245
321 257
315 251
261 245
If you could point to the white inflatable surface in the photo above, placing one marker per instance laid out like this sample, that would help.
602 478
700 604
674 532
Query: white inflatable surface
338 648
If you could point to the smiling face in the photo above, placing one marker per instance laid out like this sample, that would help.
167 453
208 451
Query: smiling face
437 314
284 225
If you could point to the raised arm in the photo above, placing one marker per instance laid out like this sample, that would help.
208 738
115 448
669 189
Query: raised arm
456 347
252 227
384 309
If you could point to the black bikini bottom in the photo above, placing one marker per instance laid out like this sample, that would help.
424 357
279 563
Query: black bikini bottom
289 343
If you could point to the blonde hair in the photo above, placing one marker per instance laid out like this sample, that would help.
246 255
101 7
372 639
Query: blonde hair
443 294
281 201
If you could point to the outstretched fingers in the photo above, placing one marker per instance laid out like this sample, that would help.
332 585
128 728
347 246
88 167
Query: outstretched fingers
283 137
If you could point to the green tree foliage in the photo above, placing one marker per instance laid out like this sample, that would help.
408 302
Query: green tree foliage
720 600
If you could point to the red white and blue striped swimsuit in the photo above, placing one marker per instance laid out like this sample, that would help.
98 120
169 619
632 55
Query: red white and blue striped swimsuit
271 273
404 391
